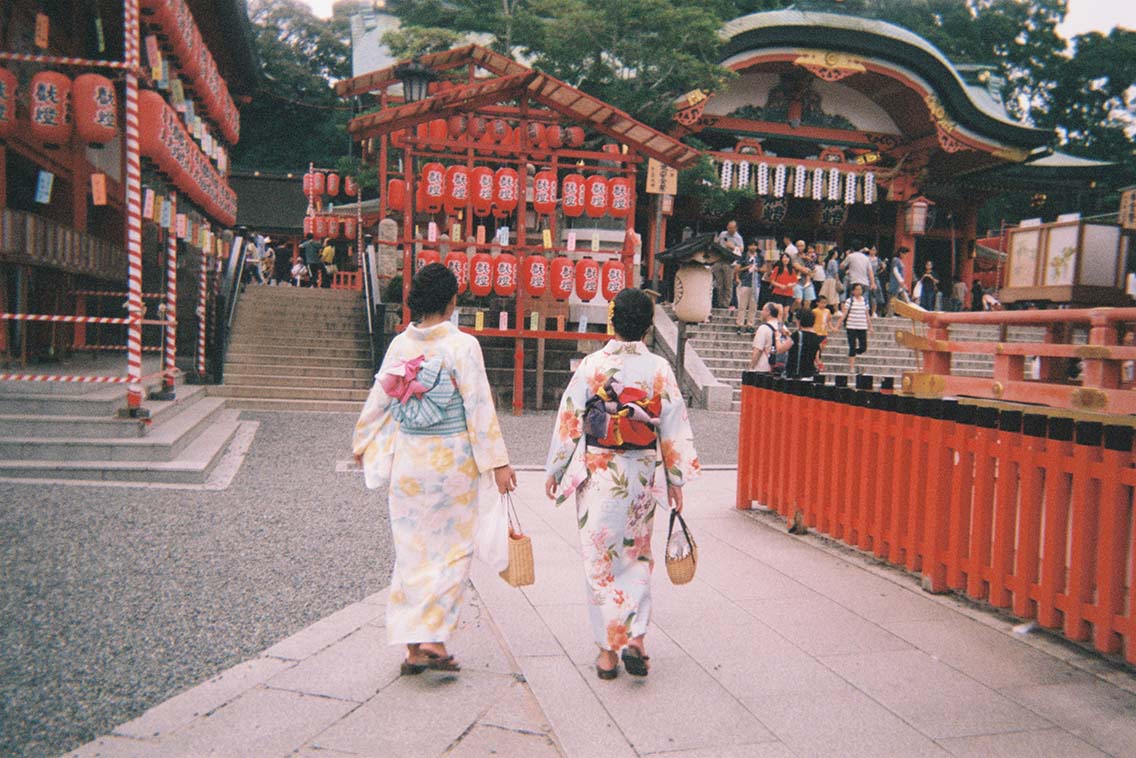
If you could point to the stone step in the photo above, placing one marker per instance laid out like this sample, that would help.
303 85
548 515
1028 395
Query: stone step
286 393
164 442
362 360
234 379
311 406
293 351
272 339
304 313
299 293
314 371
55 426
329 326
294 334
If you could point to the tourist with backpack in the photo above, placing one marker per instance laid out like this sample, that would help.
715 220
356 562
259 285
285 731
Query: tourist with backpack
770 342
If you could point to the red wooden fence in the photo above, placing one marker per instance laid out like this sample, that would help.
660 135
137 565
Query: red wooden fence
1029 512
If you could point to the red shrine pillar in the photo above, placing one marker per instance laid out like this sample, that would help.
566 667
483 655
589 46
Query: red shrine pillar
968 230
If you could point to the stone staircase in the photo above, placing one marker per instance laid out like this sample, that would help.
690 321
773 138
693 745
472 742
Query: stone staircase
298 349
51 431
726 353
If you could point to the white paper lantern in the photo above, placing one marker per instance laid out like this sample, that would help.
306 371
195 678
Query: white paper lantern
763 179
743 175
818 184
800 178
727 174
692 293
850 188
834 184
869 188
779 180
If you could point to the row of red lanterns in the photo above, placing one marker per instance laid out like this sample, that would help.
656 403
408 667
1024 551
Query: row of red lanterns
87 106
492 132
484 274
498 192
319 183
329 226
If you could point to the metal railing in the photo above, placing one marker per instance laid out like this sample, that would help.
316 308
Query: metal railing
227 300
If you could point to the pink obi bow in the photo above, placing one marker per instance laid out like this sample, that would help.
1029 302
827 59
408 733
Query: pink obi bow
401 380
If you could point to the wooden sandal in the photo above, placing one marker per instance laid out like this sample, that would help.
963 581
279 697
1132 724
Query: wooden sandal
436 662
606 674
634 661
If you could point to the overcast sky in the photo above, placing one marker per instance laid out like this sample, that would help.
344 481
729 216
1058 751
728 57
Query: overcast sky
1083 16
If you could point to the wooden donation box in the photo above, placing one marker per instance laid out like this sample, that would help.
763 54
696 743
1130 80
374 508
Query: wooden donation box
1068 262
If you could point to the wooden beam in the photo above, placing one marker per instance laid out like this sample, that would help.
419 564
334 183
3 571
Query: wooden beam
811 133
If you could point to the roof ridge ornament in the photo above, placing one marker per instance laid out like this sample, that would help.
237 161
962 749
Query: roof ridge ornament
830 65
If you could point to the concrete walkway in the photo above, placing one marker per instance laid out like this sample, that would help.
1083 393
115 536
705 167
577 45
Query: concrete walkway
782 646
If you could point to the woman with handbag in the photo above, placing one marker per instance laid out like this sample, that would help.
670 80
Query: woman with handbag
429 429
621 412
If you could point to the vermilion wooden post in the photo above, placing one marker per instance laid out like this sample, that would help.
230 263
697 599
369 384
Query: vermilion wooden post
900 478
936 521
1030 473
767 448
1058 454
913 512
869 461
962 484
796 456
1115 544
811 415
826 484
1084 504
985 451
1005 507
890 423
746 442
846 469
780 418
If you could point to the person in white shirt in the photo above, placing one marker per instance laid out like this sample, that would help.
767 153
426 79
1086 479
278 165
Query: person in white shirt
857 317
723 271
769 339
253 249
860 270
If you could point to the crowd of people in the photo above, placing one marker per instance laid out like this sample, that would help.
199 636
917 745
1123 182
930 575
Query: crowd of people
314 267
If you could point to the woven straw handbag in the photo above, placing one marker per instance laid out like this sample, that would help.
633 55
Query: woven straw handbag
681 552
520 572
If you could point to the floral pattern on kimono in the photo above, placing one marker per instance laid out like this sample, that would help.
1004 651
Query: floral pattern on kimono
616 491
433 482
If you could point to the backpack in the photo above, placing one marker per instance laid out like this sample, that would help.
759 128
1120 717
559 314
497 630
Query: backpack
777 361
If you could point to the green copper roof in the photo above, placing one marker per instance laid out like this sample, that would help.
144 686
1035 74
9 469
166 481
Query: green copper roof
970 105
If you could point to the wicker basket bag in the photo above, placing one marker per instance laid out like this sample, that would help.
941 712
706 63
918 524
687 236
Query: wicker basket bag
681 551
520 572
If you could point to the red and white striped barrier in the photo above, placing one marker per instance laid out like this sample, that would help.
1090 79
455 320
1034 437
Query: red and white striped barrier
170 359
51 318
73 378
111 293
131 45
202 292
118 348
62 60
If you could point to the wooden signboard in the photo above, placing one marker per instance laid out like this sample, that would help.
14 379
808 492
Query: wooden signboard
661 179
1128 209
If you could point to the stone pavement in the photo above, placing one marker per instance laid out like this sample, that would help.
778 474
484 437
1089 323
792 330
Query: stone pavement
781 646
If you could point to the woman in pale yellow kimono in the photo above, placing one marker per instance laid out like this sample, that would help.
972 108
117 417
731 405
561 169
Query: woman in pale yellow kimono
621 418
429 429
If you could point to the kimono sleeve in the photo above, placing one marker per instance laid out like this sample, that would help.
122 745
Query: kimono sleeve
569 422
374 434
489 451
676 440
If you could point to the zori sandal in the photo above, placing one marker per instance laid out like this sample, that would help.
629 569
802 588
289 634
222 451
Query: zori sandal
634 661
606 674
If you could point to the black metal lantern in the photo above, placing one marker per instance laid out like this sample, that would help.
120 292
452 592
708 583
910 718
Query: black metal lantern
415 78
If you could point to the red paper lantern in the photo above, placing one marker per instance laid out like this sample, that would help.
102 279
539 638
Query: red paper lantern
8 85
536 132
614 279
562 273
308 184
438 131
333 184
506 189
350 187
424 258
318 183
587 279
459 264
349 228
396 195
433 186
333 227
96 108
499 130
456 125
398 138
535 275
457 189
486 142
619 196
597 197
475 127
505 274
544 192
481 274
481 190
574 136
573 195
309 225
51 113
422 134
554 136
320 227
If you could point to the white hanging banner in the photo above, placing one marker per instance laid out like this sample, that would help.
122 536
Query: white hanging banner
743 175
763 179
800 177
727 174
869 188
818 184
850 189
779 180
834 184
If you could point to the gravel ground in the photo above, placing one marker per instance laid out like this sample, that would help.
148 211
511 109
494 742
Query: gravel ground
115 599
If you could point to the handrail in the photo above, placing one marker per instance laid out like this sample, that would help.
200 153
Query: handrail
369 298
1015 318
227 302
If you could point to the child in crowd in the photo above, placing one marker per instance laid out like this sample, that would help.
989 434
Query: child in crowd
822 322
857 318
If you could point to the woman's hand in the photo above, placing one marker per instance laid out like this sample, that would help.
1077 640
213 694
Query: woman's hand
550 487
674 497
359 461
505 478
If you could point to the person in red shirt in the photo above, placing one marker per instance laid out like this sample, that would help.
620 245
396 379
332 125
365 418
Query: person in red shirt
783 277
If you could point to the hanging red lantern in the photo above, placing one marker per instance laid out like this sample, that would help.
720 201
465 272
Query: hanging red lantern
544 192
51 116
459 264
619 196
308 183
456 125
349 228
562 273
574 136
398 138
481 192
505 274
596 205
535 275
422 134
320 228
457 189
424 258
309 225
350 187
499 130
96 108
614 279
438 131
333 227
475 127
587 279
481 274
433 186
396 195
573 195
318 183
554 136
8 85
486 142
333 184
505 191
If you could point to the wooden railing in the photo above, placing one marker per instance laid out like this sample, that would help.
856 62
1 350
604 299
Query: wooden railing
1100 386
1032 513
36 241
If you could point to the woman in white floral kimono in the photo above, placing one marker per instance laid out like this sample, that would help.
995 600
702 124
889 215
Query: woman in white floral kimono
622 416
430 431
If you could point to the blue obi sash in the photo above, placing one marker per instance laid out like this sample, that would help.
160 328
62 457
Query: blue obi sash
438 411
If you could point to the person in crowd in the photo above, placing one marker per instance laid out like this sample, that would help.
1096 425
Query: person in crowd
723 271
429 430
299 275
791 249
800 363
311 251
832 287
745 277
959 294
859 268
783 280
770 340
327 258
822 323
621 410
268 263
856 316
819 274
876 298
928 287
254 246
804 292
897 285
990 301
976 295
